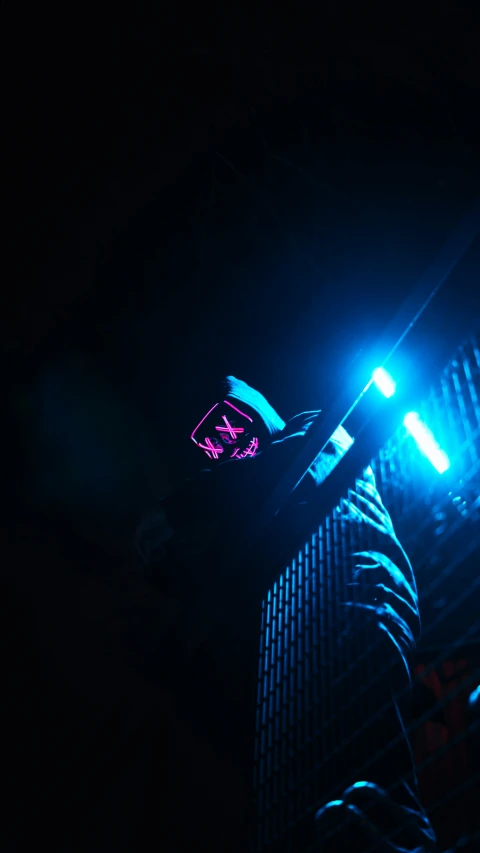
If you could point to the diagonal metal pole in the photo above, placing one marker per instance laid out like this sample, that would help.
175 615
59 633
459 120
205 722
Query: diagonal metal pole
320 432
409 313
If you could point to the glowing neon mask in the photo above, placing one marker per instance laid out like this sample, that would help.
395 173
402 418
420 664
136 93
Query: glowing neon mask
226 433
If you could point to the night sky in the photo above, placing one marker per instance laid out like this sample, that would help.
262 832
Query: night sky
187 196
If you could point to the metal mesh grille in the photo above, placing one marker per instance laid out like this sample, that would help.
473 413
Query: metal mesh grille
303 744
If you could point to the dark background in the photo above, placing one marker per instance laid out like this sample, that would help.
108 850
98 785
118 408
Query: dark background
208 191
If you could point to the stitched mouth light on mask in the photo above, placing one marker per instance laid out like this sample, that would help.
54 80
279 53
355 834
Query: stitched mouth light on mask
226 432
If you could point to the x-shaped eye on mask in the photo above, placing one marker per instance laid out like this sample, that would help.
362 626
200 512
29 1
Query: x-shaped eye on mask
226 432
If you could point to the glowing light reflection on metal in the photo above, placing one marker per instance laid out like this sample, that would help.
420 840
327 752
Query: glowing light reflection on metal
384 382
426 442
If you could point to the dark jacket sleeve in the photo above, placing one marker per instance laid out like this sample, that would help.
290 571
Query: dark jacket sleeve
225 497
379 805
382 586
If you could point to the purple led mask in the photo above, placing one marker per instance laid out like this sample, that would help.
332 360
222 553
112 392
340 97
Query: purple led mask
226 433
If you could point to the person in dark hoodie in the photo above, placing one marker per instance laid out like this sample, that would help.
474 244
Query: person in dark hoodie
249 447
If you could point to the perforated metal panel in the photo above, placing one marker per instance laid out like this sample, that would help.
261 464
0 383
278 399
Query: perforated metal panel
302 744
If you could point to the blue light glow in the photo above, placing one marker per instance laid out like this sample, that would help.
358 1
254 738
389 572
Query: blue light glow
426 442
384 382
474 699
330 805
